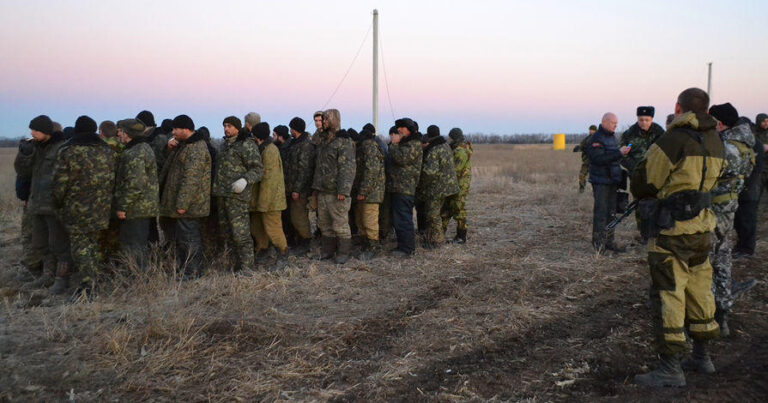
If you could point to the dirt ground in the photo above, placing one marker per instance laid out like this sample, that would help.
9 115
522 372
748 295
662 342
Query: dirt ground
525 311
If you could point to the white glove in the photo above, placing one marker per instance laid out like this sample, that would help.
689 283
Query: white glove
239 185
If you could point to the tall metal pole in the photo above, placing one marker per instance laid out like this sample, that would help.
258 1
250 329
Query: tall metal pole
709 80
376 70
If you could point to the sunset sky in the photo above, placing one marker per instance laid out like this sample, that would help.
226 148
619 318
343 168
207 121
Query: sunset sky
487 66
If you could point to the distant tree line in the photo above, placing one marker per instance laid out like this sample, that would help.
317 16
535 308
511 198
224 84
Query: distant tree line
9 142
481 138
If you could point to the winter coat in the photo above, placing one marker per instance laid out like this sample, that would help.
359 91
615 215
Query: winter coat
136 189
185 181
300 165
37 161
405 165
462 153
238 159
739 162
334 164
159 143
751 191
438 173
604 158
370 180
269 195
641 140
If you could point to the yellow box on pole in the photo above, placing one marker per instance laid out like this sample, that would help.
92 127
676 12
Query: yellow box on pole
558 141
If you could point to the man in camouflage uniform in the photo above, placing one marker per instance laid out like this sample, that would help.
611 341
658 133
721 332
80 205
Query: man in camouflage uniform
679 171
299 171
137 196
332 185
83 185
761 134
317 117
369 184
436 183
49 243
739 162
405 155
584 171
456 205
157 138
385 208
745 220
185 198
108 134
238 170
268 201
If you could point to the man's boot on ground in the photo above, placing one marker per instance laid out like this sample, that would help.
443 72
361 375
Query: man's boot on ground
345 247
281 259
370 250
327 247
613 247
699 359
668 373
737 289
302 247
722 320
266 256
61 284
461 236
45 279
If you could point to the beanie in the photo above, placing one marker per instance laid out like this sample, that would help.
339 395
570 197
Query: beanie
646 111
369 127
132 127
43 124
353 134
85 124
234 121
433 131
725 113
182 122
593 127
281 131
167 126
297 124
760 117
261 131
147 118
393 130
456 134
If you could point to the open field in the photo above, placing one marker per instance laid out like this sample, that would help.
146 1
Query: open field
524 311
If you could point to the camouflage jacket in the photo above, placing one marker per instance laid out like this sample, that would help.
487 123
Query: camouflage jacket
159 143
641 140
83 183
405 165
334 164
585 142
462 153
317 137
185 181
136 189
370 180
114 144
300 165
234 160
269 195
39 165
739 162
438 173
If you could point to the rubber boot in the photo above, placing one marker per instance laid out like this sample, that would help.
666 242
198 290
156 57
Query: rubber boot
44 279
699 359
302 247
345 247
722 319
461 236
61 284
668 373
368 251
327 247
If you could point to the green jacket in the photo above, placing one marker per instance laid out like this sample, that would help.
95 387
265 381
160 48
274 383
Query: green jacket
335 164
185 180
641 141
300 166
462 153
438 173
405 165
136 189
370 180
159 143
269 195
84 182
235 160
39 166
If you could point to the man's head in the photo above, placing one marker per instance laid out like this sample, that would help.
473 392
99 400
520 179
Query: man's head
183 127
318 118
762 121
369 127
297 126
456 135
645 117
86 125
167 126
433 131
592 129
670 118
251 120
693 100
232 126
147 118
107 129
725 114
129 129
332 120
405 126
41 128
280 134
260 132
609 122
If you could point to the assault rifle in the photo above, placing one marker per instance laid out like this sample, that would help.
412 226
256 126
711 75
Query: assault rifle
629 210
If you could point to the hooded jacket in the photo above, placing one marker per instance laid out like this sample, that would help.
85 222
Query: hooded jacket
39 166
238 159
186 180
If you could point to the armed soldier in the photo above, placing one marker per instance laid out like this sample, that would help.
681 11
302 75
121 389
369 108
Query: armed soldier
300 169
369 186
436 183
456 205
582 147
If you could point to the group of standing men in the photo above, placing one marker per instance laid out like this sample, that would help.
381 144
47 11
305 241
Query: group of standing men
139 183
691 182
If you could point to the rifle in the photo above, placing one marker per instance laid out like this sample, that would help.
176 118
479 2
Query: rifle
630 209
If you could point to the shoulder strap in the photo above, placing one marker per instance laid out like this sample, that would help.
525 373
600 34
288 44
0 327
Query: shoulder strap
697 136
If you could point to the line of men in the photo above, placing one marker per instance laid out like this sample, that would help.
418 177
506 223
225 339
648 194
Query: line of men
692 182
85 192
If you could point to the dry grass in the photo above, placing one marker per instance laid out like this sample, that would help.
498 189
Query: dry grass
525 310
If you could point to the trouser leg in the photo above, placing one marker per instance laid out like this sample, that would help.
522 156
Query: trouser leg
257 231
434 229
189 245
273 228
745 223
300 217
335 214
402 219
603 211
85 253
720 255
134 240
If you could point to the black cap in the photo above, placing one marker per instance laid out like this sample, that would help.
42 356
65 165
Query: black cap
281 131
433 131
393 130
261 131
166 126
298 124
42 124
646 111
147 118
369 127
725 113
760 117
593 127
85 124
181 122
234 121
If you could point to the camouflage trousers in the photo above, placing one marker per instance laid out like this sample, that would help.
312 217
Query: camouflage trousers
720 255
235 224
583 173
367 219
333 215
455 207
434 233
267 227
85 253
681 294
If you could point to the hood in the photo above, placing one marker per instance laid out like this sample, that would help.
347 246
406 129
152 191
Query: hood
741 133
333 117
696 121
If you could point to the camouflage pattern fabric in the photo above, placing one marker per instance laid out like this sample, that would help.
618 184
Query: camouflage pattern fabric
334 164
641 140
31 258
434 234
405 166
233 218
584 170
136 188
370 179
235 160
333 215
455 205
115 145
438 173
740 160
720 255
269 195
159 143
300 165
186 180
39 166
85 253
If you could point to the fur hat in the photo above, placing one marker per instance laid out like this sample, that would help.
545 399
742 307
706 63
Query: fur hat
433 131
369 127
298 124
134 128
282 131
333 117
407 123
261 131
147 118
646 111
725 113
760 117
85 124
182 122
42 124
234 121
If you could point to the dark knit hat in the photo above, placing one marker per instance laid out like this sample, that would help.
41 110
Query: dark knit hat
282 131
407 123
181 122
646 111
393 130
42 124
760 117
134 128
166 126
456 134
261 131
725 113
234 121
147 118
298 124
593 127
369 127
85 124
204 133
433 131
353 134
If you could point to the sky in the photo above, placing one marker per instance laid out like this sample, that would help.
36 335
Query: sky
500 67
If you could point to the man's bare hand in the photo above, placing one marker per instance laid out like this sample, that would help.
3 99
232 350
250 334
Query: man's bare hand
295 196
624 150
341 197
121 215
360 197
181 211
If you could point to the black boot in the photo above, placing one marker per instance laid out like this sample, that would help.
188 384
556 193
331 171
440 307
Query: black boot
722 319
44 279
668 373
302 247
461 236
345 247
699 360
61 284
370 250
327 247
266 257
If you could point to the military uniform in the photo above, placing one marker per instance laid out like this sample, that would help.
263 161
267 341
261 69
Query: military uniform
299 171
369 182
745 220
455 205
268 201
238 158
640 140
436 183
402 179
584 169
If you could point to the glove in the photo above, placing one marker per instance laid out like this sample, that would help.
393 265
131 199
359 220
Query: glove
239 185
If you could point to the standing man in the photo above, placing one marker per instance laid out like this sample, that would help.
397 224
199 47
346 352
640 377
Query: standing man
268 200
300 169
679 171
456 205
332 185
405 154
281 139
436 183
605 176
83 187
318 119
369 184
745 220
186 195
108 133
251 120
136 191
739 162
761 134
584 171
238 170
157 137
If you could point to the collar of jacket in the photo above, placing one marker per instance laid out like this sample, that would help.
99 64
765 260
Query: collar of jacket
604 132
434 142
741 133
55 138
242 135
370 136
194 138
342 134
85 139
458 143
655 130
696 121
411 137
265 143
135 142
303 137
154 132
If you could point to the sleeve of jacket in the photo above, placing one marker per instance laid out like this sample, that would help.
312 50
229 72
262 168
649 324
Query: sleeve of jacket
370 159
598 155
24 162
399 154
252 162
651 173
624 140
346 167
60 185
305 168
460 160
131 184
193 165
